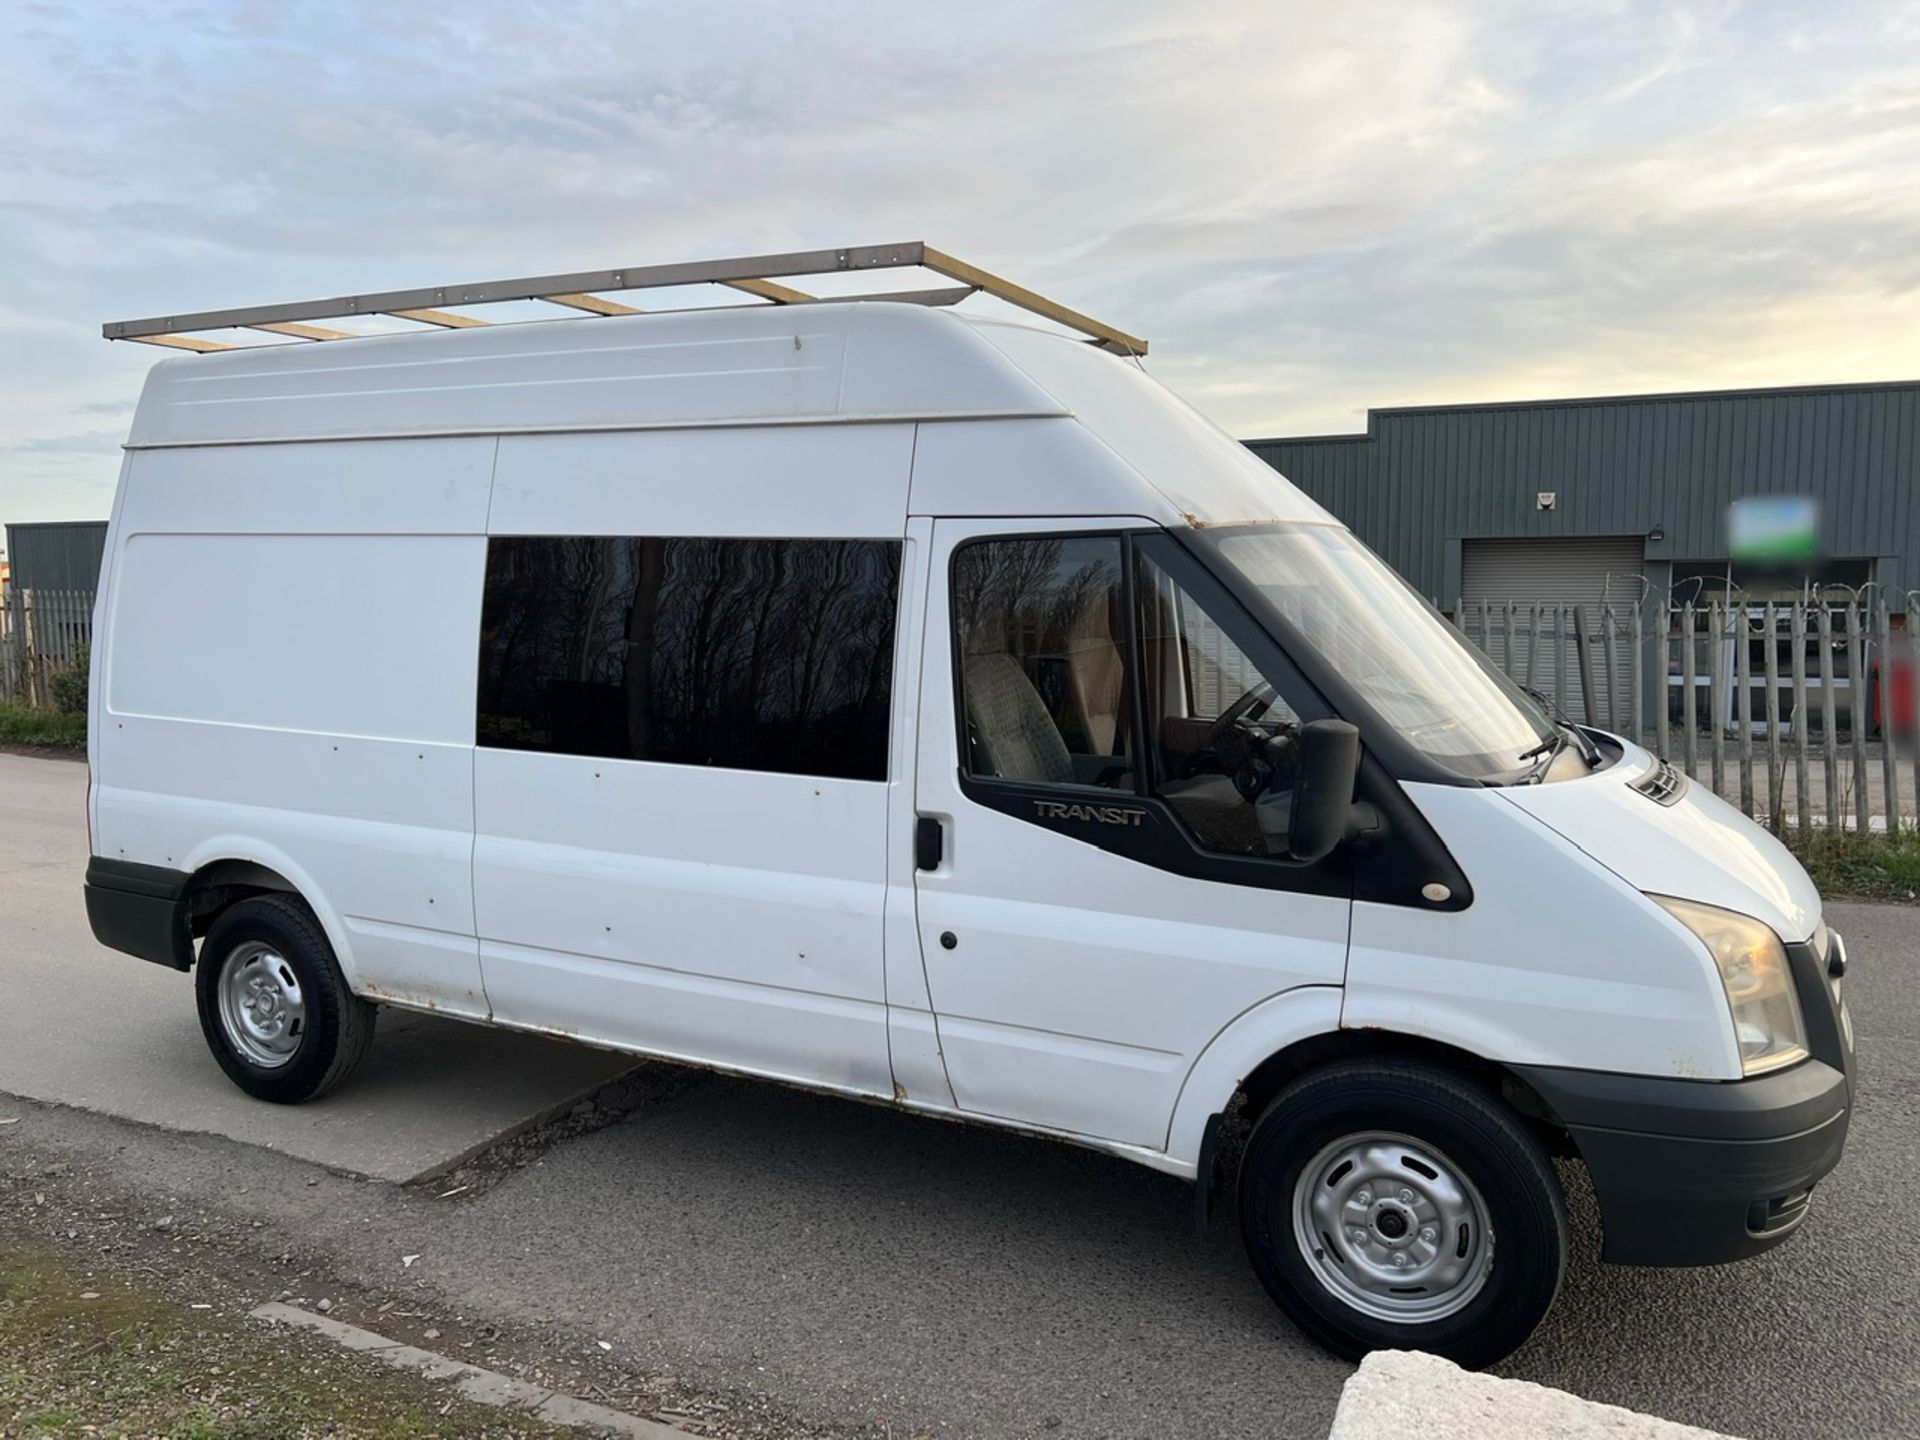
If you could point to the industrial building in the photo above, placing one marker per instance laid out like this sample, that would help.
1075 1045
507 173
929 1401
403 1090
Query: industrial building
1557 499
1586 503
55 554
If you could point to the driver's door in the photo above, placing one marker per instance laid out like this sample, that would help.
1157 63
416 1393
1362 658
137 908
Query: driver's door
1104 760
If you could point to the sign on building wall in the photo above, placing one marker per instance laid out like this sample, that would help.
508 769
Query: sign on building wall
1774 529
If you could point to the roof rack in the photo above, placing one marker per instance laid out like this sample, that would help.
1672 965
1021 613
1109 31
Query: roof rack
583 291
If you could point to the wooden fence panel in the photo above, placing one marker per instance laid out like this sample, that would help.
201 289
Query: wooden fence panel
42 633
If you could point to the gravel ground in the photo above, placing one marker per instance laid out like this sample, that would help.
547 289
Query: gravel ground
71 1225
96 1339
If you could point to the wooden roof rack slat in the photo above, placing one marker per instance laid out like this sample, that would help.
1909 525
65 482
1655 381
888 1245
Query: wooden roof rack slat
768 290
1026 299
184 342
582 290
441 318
303 332
593 304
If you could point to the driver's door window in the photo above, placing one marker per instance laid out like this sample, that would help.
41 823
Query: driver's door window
1041 628
1224 741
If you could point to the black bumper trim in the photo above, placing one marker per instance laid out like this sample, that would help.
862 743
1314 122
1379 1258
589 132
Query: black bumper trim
140 910
1695 1172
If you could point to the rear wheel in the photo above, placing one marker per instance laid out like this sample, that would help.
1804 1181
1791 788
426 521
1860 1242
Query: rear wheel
1393 1205
274 1006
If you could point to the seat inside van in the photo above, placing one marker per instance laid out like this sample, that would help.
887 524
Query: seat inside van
1055 712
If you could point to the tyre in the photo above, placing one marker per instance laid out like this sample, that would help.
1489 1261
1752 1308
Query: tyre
1388 1204
274 1006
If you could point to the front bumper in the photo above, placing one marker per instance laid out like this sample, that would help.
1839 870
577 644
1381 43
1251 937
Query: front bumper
1690 1172
1700 1172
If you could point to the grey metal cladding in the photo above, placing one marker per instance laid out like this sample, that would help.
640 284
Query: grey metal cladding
56 555
1423 478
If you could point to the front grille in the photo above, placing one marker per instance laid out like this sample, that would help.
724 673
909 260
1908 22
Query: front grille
1663 784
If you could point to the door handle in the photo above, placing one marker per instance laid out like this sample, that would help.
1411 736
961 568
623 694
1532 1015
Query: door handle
929 843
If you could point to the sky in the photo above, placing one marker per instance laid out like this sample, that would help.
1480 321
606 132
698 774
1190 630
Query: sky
1309 209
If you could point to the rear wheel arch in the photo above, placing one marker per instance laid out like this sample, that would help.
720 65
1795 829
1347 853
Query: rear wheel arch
223 877
219 885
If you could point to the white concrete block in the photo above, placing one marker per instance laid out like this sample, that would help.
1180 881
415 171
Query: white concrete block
1397 1393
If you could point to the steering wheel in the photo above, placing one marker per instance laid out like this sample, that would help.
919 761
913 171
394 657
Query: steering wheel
1234 736
1249 754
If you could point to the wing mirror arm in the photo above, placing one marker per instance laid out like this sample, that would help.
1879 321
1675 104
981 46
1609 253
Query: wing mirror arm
1365 827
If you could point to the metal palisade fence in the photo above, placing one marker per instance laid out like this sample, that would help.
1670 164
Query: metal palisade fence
1799 710
42 633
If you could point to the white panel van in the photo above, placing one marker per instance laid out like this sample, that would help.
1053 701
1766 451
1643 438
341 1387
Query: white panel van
935 711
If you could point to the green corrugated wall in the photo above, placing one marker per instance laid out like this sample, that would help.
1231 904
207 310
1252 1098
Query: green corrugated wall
1423 479
60 555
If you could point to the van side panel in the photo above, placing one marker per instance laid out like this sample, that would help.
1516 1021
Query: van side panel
1558 961
729 916
780 481
288 680
1042 467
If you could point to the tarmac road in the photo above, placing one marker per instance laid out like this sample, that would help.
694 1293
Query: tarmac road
863 1269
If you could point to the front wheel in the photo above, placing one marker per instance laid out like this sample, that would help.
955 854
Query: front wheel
1392 1205
274 1006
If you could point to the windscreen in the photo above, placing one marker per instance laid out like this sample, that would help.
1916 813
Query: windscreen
1416 671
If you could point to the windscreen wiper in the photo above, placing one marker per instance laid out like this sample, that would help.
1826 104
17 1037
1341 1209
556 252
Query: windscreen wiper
1547 751
1589 751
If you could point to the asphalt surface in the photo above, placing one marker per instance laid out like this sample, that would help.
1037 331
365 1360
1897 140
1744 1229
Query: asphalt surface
874 1272
81 1025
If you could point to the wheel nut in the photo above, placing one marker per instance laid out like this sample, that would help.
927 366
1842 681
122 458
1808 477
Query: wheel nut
1399 1259
1358 1235
1363 1197
1427 1234
1406 1197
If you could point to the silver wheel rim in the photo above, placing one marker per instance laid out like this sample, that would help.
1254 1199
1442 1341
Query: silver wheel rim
263 1011
1392 1227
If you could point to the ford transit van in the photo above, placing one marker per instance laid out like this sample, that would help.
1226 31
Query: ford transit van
937 711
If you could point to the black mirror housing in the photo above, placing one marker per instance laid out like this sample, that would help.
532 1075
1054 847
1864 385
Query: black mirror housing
1323 797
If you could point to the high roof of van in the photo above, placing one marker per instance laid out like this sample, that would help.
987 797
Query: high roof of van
828 363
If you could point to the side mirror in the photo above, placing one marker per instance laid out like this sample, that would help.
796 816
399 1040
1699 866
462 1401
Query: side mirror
1323 796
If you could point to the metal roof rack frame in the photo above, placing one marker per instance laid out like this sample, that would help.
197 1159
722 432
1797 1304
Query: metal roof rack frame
582 291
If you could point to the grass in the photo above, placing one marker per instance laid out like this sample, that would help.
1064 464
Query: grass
98 1354
42 729
1848 864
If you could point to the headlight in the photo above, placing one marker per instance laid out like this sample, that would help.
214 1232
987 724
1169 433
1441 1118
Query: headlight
1759 983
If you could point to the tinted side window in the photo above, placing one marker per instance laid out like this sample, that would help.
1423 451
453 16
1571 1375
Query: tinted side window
1041 628
750 654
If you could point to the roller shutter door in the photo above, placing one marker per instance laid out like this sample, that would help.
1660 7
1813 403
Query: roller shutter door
1506 584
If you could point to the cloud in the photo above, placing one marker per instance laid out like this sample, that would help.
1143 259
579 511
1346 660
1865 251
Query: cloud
85 442
1309 209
